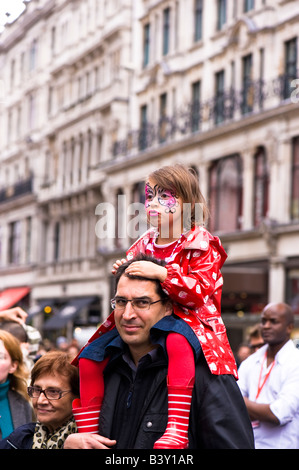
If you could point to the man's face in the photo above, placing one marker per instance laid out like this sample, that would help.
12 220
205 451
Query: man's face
134 325
274 327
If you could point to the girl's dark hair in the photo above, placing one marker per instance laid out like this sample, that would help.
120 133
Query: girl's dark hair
142 257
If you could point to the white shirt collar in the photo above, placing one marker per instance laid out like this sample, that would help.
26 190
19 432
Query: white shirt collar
281 355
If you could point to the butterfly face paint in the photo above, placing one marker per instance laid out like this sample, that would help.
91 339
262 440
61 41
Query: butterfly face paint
165 197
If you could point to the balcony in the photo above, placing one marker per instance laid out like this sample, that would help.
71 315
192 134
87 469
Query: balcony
198 117
16 190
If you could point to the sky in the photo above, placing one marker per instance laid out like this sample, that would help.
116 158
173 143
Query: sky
14 7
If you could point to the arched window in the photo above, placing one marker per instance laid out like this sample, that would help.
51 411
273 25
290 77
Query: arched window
226 194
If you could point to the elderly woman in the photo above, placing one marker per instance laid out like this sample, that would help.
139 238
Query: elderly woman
54 385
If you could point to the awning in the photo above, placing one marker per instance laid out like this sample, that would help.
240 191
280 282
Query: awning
10 297
67 313
39 307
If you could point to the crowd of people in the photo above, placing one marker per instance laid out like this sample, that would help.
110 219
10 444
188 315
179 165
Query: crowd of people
159 373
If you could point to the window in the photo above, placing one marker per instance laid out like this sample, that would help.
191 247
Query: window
261 79
221 14
80 145
62 164
50 100
261 190
290 67
14 244
22 67
12 73
226 194
146 44
31 111
248 89
28 239
166 31
163 118
292 288
295 181
56 241
143 128
53 41
9 126
19 120
248 5
96 78
195 108
90 144
99 152
33 55
219 97
198 20
71 161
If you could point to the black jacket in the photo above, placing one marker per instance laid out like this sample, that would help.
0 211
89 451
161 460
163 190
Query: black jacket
134 411
21 438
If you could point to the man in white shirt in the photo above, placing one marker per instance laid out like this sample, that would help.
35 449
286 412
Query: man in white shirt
269 382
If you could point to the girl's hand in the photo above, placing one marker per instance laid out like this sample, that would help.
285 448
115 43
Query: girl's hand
117 264
147 269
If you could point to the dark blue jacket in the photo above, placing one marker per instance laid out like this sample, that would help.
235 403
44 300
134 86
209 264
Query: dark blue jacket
21 438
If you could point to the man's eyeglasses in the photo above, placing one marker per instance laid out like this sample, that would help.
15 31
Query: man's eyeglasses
50 393
120 303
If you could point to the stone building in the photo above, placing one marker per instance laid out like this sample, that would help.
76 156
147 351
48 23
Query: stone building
96 94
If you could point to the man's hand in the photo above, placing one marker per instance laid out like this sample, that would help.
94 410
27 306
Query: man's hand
14 314
117 264
88 441
147 269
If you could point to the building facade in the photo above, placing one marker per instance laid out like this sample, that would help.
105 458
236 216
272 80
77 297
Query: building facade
97 94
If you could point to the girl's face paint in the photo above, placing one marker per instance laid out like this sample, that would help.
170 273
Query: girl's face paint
165 197
163 209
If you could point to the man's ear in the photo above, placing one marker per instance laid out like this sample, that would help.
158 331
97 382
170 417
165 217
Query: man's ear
168 308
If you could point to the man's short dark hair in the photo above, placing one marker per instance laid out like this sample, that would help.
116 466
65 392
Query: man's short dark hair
142 257
15 329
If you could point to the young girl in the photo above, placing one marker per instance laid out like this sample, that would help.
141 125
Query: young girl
175 207
15 408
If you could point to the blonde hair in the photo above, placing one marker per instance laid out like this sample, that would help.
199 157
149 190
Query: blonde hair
184 182
18 378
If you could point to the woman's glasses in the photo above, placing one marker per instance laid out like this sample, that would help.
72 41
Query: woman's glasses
50 393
